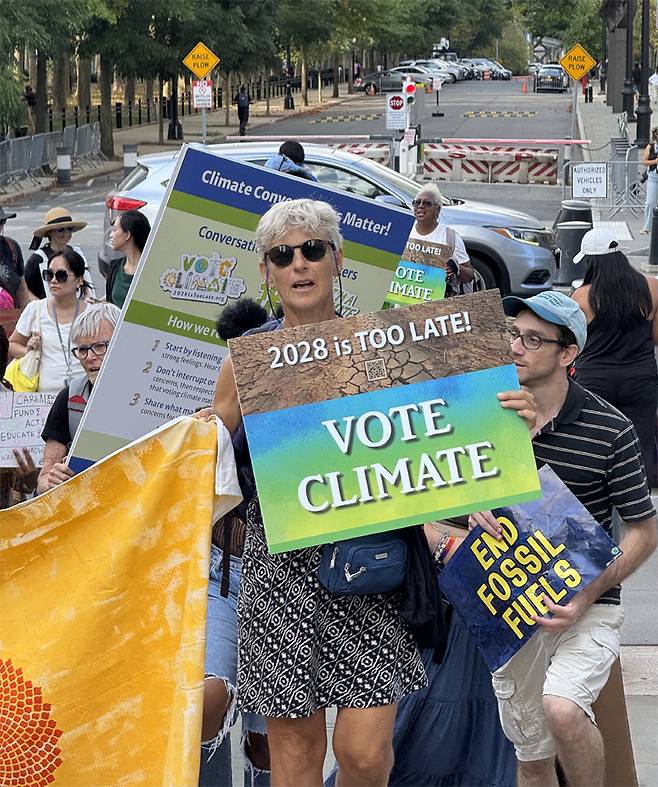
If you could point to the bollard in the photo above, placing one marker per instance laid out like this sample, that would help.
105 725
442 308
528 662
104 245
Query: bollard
129 159
118 123
651 266
569 236
63 165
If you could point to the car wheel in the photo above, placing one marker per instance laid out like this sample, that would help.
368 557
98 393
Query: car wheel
370 89
485 279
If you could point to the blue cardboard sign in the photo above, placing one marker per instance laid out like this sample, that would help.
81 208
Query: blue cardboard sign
551 547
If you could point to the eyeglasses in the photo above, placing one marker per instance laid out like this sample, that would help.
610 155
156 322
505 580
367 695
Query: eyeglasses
423 203
60 276
98 348
63 230
312 250
531 341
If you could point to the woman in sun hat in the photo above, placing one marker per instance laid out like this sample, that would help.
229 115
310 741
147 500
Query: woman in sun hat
618 362
58 226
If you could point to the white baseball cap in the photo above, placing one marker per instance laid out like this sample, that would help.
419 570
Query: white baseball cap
597 242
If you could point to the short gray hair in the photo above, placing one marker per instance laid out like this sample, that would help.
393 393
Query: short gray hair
433 189
89 322
317 218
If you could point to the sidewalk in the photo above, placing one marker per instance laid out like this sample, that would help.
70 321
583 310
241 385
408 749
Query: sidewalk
597 122
146 136
639 655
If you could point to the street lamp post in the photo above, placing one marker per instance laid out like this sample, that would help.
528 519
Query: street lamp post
644 104
628 91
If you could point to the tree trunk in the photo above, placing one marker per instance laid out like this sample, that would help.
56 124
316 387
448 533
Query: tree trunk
228 98
160 112
265 91
129 90
319 84
60 80
42 92
336 77
350 74
32 67
304 86
149 90
84 85
106 78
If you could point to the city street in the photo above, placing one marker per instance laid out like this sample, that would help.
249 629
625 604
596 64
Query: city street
472 109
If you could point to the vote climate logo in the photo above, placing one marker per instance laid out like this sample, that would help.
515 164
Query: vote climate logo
203 278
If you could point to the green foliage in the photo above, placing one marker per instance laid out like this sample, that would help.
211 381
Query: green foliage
512 48
585 28
549 17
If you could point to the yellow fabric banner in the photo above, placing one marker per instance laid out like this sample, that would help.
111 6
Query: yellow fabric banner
103 594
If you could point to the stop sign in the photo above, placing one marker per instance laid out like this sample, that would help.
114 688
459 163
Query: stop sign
396 102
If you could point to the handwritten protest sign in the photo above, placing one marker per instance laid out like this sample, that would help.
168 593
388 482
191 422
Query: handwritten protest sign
420 275
551 547
363 425
200 257
22 416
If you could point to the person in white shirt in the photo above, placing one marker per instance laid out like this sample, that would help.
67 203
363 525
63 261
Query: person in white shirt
427 208
44 324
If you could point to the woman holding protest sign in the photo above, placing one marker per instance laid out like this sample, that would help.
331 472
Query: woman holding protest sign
292 681
302 648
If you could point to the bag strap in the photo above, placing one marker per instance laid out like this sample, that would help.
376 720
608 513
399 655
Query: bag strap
451 239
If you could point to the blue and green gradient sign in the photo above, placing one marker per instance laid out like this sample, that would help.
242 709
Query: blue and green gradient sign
393 420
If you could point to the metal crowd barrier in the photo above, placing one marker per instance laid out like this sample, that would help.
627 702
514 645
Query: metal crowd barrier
31 158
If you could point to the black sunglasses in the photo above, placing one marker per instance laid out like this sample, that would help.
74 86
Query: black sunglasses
61 276
423 203
312 250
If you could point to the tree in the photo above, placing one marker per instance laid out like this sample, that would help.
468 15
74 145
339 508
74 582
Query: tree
549 17
21 25
305 26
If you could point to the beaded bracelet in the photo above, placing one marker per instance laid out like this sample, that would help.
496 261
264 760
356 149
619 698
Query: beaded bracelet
443 547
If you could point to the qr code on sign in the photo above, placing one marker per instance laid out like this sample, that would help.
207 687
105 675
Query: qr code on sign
376 370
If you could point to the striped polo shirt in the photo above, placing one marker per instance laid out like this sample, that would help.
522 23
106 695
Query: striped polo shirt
594 449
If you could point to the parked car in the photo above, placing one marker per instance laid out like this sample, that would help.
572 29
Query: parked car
389 81
551 77
506 73
481 68
423 75
446 74
509 250
455 72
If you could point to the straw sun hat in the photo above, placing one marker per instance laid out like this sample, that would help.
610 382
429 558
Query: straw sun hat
58 218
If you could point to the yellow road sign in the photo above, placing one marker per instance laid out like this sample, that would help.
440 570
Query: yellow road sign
577 62
201 60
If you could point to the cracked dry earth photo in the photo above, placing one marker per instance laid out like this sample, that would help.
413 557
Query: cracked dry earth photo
433 254
262 388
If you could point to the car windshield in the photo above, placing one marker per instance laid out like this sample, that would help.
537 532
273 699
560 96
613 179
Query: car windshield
404 185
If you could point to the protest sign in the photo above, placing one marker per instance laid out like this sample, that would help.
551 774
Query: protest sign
363 425
551 547
22 416
200 257
419 277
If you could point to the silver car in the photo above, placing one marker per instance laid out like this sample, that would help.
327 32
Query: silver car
509 250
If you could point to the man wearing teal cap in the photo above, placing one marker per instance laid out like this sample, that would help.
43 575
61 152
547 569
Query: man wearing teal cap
546 690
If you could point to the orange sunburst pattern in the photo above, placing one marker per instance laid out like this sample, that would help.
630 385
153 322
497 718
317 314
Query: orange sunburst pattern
29 754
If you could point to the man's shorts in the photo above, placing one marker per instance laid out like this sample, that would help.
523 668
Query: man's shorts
573 664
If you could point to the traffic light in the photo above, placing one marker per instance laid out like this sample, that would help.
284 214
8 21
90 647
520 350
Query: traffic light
409 90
